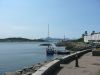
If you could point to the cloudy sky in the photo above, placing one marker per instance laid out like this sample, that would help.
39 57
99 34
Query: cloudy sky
30 18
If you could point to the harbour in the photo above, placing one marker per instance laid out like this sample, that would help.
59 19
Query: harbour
18 55
49 37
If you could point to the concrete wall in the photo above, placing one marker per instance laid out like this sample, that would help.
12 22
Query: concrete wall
71 57
48 69
55 64
96 52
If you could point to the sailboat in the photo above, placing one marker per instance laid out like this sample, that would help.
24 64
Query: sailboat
49 49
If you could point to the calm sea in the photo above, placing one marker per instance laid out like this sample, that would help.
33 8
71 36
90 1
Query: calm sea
15 56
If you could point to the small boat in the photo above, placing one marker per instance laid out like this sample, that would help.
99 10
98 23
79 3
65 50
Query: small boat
62 52
45 44
50 51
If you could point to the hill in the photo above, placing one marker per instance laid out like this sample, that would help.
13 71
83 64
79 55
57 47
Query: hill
15 39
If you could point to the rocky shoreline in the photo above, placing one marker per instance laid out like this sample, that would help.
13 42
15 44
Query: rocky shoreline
28 70
31 69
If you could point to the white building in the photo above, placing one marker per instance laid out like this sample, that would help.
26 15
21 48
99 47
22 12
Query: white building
94 38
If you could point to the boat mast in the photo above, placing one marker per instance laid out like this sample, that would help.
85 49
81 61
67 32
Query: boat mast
48 31
48 35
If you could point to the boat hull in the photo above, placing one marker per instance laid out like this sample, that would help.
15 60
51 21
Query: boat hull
50 52
62 52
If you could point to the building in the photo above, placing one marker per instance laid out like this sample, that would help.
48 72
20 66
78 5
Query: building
95 37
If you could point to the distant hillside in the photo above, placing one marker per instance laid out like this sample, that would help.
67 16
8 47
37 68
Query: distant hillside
55 39
20 40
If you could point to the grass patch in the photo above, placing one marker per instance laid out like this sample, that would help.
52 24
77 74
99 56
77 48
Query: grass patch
98 73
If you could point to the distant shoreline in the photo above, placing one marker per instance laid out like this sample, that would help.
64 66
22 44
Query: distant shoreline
21 40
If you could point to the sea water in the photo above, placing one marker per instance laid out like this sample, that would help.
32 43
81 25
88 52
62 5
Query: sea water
17 55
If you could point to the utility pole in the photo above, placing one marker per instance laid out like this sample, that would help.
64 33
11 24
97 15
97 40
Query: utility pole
64 37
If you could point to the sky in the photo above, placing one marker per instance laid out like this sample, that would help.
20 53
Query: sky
30 18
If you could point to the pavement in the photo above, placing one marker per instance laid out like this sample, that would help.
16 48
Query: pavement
88 65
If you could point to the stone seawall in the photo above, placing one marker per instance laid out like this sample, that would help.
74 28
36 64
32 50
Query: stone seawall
49 68
67 59
55 64
96 52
